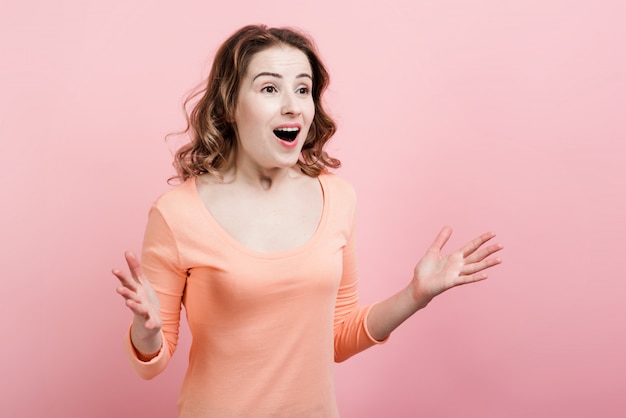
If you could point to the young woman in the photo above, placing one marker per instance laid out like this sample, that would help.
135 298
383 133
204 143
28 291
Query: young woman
257 242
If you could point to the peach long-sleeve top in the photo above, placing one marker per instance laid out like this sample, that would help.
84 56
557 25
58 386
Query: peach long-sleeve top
265 327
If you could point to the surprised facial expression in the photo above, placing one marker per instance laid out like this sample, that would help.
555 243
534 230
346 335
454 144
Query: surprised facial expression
274 108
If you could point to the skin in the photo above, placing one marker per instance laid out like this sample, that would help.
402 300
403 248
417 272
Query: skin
434 273
268 205
275 91
263 201
141 299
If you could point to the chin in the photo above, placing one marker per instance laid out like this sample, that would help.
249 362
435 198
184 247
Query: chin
288 161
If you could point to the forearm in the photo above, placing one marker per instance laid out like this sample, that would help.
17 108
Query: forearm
387 315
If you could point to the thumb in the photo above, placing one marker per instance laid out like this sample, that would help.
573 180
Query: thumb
442 238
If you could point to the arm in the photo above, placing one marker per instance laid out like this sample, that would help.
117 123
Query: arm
155 303
351 334
433 275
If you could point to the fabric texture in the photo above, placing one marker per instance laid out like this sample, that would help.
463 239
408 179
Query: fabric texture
266 327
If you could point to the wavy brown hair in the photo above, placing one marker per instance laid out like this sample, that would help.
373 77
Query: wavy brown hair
210 126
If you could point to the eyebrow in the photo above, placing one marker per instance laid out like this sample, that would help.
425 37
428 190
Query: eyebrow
276 75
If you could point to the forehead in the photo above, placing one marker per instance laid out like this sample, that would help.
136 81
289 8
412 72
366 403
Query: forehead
283 60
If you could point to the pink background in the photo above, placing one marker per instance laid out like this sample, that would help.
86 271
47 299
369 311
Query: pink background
486 115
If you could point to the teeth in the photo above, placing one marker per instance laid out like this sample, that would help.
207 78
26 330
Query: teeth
288 129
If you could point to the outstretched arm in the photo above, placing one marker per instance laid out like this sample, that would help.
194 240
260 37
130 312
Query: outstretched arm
434 274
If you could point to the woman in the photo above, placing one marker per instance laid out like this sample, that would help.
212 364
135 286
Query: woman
258 244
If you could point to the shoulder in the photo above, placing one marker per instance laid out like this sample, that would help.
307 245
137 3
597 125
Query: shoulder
180 196
178 212
339 195
338 186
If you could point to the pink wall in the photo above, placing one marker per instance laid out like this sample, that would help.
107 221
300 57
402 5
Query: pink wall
503 115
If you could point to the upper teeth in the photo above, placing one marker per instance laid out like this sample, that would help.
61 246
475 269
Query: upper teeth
288 129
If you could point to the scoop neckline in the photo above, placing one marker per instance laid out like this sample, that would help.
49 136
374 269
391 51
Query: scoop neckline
234 243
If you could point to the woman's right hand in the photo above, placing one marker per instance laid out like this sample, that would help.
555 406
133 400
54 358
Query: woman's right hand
142 300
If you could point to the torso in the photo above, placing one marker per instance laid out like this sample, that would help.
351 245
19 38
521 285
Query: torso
280 218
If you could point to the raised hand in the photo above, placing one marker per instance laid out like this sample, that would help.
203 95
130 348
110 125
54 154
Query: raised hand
142 300
436 273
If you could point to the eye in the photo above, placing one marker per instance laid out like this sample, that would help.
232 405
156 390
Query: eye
269 89
303 90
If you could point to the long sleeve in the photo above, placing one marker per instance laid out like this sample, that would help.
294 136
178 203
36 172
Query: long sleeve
351 335
161 265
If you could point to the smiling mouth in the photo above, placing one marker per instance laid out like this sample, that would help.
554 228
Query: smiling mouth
287 134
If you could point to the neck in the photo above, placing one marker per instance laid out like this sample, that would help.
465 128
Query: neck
258 178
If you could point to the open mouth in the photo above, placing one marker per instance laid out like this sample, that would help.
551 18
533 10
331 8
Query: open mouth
287 134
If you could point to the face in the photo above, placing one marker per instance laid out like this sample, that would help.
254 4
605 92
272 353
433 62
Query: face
274 109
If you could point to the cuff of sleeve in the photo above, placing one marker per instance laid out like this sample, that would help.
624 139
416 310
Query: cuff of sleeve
146 369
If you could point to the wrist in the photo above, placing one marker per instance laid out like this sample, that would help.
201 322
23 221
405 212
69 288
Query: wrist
146 343
418 299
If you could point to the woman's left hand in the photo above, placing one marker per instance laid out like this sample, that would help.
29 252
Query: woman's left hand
435 273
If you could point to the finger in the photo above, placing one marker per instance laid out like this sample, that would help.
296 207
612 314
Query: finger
133 265
137 308
468 278
126 281
470 269
442 238
128 294
483 253
476 243
472 278
150 323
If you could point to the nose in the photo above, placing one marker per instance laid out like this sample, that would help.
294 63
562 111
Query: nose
290 105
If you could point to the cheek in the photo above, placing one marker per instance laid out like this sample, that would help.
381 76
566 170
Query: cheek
245 119
311 111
